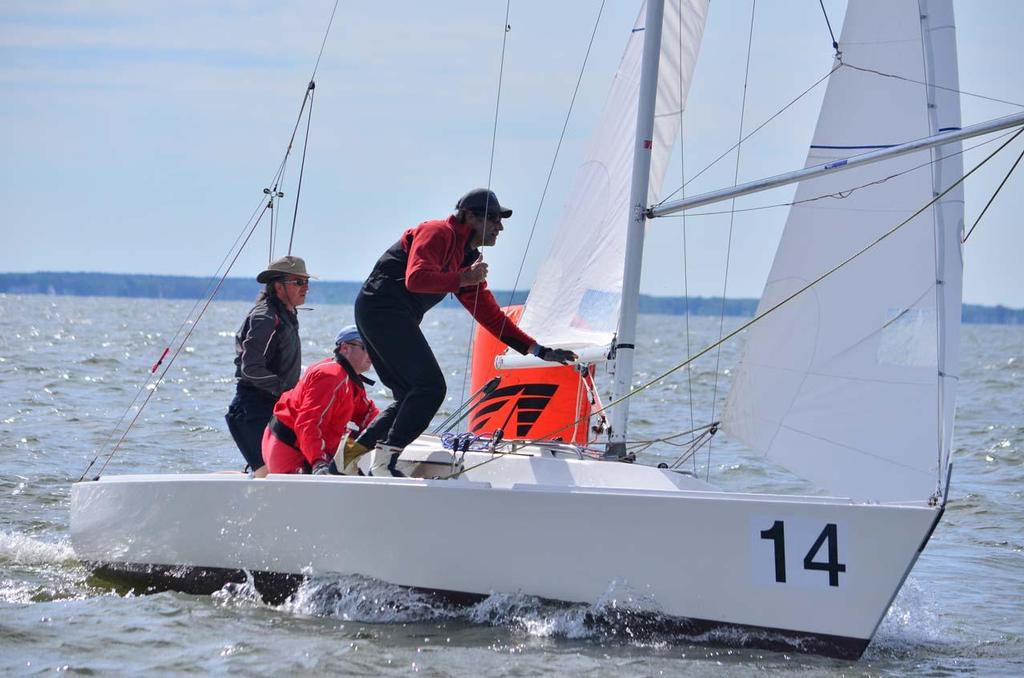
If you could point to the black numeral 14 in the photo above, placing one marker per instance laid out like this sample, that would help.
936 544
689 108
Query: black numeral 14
777 534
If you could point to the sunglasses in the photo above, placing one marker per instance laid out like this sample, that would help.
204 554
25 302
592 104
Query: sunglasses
357 344
297 283
493 217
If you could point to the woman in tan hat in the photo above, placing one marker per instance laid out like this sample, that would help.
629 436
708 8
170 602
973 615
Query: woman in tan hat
268 355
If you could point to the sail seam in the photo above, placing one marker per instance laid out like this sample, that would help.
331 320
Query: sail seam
939 87
855 449
840 377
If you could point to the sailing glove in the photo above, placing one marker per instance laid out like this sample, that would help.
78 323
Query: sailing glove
556 355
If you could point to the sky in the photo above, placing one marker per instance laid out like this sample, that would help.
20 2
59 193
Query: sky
138 137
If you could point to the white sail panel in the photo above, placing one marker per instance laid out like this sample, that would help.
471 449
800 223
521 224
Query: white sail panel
575 298
940 29
841 385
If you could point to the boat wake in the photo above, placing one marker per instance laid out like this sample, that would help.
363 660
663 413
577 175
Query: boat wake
910 623
19 549
619 618
618 615
35 571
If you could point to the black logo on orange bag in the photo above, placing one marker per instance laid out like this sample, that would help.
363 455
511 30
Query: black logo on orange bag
524 401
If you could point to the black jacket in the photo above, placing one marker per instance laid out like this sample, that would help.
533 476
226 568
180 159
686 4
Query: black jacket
268 353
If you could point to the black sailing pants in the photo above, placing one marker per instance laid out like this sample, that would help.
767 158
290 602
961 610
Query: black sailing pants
405 364
247 416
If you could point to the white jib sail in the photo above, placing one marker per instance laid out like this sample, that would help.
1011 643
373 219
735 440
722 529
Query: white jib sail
850 385
575 298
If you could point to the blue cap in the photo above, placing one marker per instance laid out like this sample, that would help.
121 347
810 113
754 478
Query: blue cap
348 333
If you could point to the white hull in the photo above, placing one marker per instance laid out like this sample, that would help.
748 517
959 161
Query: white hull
561 529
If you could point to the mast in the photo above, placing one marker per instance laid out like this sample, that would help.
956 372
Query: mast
624 347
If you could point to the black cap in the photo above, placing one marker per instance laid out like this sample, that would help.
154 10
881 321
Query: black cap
483 201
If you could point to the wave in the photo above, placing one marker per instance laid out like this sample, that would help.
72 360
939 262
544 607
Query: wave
20 549
619 617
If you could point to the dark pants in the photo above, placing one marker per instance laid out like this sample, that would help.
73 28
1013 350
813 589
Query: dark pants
406 365
247 416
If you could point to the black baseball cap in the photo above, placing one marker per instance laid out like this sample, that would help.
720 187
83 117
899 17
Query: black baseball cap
483 201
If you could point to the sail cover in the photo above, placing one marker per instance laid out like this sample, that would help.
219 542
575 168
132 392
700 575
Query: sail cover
575 298
850 385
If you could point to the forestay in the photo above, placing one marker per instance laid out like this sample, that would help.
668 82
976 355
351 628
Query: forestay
575 298
851 384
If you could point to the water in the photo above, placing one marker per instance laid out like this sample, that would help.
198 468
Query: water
70 367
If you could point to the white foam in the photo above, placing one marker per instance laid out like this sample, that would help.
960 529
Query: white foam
910 622
355 598
239 595
19 549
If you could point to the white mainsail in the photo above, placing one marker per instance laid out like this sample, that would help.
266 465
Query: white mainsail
850 385
575 298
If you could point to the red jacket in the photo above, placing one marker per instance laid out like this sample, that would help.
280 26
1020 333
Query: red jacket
437 253
319 408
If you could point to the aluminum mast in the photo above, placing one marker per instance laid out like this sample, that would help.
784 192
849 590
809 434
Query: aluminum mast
643 143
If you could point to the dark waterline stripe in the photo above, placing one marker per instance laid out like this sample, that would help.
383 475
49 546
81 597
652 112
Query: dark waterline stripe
276 587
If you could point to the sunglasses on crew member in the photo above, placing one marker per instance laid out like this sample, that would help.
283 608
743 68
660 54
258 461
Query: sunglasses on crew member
297 283
493 217
357 344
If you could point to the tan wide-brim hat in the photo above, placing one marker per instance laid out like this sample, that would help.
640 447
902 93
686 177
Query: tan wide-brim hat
282 268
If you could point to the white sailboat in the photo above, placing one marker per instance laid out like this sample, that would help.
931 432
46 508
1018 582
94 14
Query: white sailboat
850 384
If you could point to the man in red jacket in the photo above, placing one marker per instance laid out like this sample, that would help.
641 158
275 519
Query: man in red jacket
310 420
427 263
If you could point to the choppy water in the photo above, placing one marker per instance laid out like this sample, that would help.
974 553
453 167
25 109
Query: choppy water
69 368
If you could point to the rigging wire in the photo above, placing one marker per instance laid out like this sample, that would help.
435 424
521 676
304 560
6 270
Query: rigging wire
686 284
490 170
323 43
554 159
732 217
696 434
550 435
754 131
835 45
999 188
215 284
671 439
311 92
188 318
174 356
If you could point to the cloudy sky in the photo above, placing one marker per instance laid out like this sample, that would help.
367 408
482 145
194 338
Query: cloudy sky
138 136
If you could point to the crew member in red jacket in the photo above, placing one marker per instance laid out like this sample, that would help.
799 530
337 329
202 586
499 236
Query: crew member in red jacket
427 263
310 419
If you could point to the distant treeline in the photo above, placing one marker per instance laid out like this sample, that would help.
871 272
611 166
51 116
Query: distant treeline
324 292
